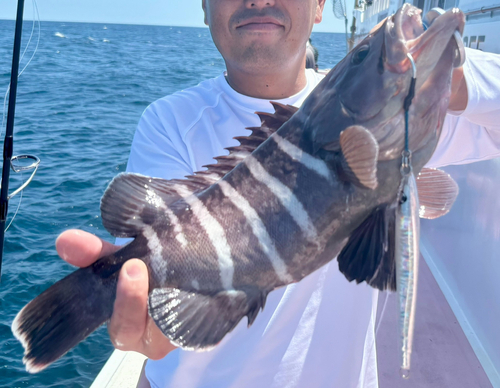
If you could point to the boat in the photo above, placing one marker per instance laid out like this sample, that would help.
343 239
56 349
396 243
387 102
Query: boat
459 276
482 19
460 250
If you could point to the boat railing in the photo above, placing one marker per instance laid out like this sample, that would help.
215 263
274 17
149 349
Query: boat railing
482 10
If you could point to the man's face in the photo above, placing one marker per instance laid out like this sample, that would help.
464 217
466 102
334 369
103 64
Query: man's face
261 35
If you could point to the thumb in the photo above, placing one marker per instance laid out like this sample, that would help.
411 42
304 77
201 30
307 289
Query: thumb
129 319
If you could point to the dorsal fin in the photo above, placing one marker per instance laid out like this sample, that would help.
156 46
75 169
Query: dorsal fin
124 205
270 123
130 199
273 121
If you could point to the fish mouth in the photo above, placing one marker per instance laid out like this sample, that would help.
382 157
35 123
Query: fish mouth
405 34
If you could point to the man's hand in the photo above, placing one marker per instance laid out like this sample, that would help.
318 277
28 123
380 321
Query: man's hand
459 94
130 327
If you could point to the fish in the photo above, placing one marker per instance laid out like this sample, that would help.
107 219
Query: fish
307 185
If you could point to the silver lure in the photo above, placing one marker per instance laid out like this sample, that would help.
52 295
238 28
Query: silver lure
407 256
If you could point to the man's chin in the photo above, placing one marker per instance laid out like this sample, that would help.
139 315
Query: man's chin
260 52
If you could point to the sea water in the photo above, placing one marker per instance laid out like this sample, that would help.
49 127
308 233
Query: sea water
77 107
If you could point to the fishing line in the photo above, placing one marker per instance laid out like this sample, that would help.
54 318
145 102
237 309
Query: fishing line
382 313
17 208
35 20
406 164
8 144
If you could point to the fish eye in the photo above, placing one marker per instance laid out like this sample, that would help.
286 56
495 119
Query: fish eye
403 199
360 55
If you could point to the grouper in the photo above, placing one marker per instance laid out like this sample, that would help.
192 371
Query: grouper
307 186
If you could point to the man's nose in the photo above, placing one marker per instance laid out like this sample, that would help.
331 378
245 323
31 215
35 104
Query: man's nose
259 3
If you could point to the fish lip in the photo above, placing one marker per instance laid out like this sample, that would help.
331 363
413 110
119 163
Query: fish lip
407 29
259 20
454 17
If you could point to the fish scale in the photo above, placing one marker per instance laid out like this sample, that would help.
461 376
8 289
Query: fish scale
275 209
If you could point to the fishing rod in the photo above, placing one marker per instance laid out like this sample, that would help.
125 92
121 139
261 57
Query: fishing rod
8 145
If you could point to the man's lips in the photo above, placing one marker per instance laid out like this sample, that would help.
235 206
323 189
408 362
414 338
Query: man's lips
260 23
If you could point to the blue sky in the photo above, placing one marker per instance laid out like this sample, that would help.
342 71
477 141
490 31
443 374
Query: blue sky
160 12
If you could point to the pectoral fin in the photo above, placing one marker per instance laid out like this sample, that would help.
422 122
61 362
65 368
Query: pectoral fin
360 150
369 254
437 192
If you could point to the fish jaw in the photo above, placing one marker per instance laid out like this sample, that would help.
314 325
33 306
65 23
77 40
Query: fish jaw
435 53
404 34
427 47
405 24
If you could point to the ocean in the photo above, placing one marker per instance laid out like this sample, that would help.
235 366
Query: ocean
78 103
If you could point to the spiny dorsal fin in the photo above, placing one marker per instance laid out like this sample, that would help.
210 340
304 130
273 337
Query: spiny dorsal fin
132 199
273 121
360 150
437 192
270 123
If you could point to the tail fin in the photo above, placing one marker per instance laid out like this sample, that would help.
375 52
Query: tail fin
63 315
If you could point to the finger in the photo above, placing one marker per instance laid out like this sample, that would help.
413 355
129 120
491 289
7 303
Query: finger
128 323
82 248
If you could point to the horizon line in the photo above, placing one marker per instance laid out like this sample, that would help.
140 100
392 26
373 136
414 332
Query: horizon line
140 24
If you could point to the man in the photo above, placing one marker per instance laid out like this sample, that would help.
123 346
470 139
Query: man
316 333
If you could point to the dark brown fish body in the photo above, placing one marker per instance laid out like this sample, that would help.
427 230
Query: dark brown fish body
282 204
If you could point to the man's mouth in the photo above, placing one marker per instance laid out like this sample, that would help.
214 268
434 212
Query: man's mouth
260 24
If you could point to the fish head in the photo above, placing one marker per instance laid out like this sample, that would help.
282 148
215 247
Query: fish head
369 86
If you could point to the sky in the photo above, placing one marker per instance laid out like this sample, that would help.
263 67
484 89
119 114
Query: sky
157 12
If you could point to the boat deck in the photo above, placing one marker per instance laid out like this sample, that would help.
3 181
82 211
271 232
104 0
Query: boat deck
442 356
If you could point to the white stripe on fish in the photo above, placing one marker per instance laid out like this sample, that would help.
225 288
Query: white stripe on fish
179 235
157 201
258 229
157 261
312 163
217 237
285 196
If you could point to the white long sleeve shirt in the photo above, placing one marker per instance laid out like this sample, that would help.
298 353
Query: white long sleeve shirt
319 332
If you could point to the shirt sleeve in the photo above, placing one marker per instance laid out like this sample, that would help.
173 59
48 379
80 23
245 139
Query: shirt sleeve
158 149
474 134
